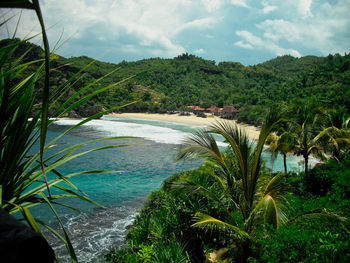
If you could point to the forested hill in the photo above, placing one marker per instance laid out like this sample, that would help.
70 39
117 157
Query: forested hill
171 84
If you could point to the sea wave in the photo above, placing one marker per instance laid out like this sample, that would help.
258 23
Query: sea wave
93 235
150 131
118 128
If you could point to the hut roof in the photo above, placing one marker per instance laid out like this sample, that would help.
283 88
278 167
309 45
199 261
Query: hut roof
213 109
198 108
229 109
191 107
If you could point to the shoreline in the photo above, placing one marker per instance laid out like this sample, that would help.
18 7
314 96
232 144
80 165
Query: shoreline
252 131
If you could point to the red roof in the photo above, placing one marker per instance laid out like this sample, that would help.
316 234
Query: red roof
229 109
198 108
195 108
213 109
191 107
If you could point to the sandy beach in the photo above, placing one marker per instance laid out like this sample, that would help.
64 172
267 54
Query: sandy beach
192 120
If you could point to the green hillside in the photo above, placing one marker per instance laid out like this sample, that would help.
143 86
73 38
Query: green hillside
170 84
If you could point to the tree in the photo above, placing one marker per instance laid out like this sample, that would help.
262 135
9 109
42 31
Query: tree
238 175
335 138
282 142
306 124
146 96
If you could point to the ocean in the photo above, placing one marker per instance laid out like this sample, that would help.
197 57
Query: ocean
145 164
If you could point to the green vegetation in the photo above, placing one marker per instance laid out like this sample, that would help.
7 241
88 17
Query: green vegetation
163 85
258 199
316 239
248 213
165 222
30 177
167 218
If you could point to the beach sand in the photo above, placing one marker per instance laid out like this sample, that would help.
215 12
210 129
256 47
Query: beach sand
192 120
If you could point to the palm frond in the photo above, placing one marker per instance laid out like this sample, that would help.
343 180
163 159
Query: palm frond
270 215
272 205
318 213
201 145
22 175
272 118
189 185
270 210
237 139
207 222
276 186
66 237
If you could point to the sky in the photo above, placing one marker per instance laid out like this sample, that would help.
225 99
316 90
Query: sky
245 31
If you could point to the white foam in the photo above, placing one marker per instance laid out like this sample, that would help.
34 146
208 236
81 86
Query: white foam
119 128
95 234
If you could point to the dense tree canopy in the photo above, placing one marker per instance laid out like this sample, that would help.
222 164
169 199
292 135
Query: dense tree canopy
170 84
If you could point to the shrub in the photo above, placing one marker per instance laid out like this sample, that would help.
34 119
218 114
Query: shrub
305 244
165 223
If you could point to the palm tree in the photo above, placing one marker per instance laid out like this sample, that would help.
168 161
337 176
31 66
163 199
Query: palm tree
281 142
306 124
335 139
239 178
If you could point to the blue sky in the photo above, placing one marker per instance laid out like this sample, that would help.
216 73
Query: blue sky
245 31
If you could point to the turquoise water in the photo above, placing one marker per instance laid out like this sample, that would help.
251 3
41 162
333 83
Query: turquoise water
146 164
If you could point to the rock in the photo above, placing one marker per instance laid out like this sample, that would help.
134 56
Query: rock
87 112
73 114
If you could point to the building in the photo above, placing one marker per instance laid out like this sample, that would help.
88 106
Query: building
229 112
215 110
196 109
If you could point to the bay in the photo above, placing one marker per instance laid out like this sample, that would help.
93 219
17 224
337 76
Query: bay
145 164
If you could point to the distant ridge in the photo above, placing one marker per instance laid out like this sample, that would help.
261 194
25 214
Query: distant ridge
170 84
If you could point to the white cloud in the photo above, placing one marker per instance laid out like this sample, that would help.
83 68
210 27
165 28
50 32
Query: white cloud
207 22
323 28
250 38
289 51
280 29
165 27
254 42
300 9
268 8
243 44
304 8
199 51
212 5
239 3
145 23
